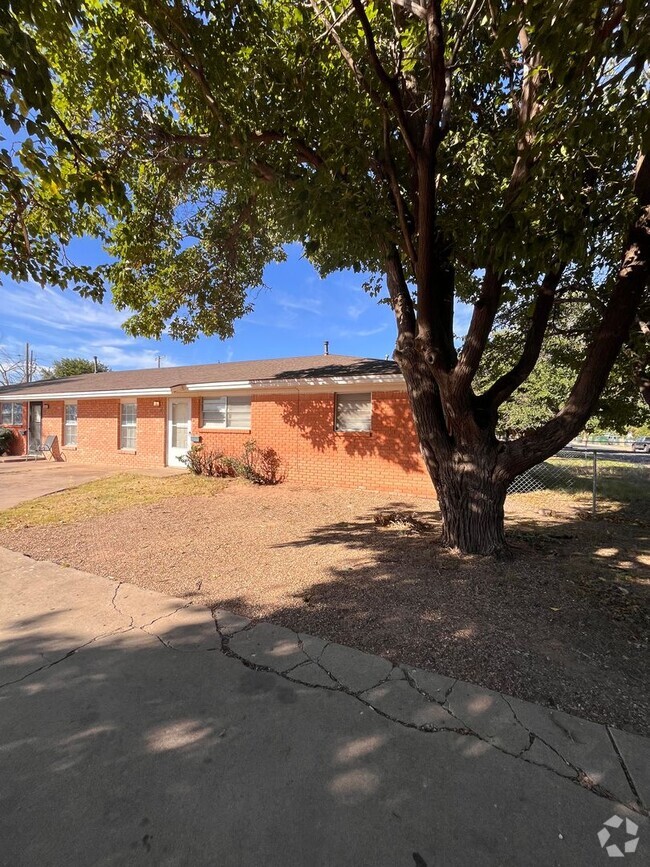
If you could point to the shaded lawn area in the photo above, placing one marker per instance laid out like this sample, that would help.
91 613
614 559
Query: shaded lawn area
564 622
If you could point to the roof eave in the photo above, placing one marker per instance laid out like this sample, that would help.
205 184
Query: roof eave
312 382
297 382
74 395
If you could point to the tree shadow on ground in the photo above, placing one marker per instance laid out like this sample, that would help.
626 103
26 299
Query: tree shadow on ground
126 750
129 752
563 622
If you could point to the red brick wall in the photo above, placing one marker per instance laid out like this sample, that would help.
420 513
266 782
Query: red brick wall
98 432
300 427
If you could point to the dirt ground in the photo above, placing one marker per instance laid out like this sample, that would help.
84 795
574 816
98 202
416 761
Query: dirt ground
564 622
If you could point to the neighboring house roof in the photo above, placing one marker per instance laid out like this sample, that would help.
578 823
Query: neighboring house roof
312 370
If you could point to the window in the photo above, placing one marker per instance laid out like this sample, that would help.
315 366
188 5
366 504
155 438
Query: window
353 412
128 418
234 412
12 413
70 426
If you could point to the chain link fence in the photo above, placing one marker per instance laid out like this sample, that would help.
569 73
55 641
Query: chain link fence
598 479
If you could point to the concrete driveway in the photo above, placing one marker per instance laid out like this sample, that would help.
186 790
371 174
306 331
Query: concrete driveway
26 480
137 729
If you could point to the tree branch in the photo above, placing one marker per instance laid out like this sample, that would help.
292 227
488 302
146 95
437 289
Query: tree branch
362 81
437 73
403 212
389 82
632 283
400 297
485 310
501 390
529 107
474 9
417 9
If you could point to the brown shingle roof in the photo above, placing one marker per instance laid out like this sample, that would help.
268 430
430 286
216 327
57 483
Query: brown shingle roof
274 369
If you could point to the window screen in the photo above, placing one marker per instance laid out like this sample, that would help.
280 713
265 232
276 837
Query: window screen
238 412
353 412
232 412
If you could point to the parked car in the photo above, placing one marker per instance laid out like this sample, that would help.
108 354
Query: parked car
641 445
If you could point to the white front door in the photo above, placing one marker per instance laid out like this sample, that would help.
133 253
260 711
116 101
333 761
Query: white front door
179 428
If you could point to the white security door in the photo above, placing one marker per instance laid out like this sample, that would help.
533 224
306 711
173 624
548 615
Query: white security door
179 427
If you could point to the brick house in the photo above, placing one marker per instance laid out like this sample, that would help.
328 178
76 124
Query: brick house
333 420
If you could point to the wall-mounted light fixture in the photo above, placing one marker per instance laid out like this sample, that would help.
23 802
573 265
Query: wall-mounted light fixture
156 403
46 406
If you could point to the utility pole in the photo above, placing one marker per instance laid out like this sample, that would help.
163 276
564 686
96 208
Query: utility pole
27 370
95 360
158 360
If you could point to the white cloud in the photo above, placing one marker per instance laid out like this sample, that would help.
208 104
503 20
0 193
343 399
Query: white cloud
354 311
63 311
368 332
308 305
64 325
133 359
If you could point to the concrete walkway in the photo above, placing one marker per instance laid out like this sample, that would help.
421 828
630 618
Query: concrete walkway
137 729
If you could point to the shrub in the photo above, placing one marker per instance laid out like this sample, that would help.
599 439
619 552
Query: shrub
260 466
205 462
6 440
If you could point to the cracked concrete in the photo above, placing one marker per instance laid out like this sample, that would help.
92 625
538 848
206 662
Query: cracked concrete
586 753
132 729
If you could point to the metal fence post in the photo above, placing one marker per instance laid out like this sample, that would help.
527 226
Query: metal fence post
595 485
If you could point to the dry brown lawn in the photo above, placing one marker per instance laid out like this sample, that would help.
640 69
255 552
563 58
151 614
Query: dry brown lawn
564 622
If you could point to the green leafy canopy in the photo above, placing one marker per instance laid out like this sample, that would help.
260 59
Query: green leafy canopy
196 139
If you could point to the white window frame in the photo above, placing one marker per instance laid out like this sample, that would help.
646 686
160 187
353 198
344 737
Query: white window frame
342 396
128 426
226 402
12 413
70 429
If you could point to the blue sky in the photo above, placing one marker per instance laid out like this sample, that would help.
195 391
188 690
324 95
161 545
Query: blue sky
293 316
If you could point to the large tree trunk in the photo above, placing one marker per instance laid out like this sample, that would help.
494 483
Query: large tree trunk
471 505
462 461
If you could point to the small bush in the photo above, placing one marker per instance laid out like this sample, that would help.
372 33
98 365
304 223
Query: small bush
261 466
6 440
204 462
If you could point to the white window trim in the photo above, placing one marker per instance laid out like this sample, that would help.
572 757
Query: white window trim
66 425
338 429
211 425
133 426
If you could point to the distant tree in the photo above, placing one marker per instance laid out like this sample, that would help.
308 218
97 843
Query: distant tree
73 367
620 408
14 369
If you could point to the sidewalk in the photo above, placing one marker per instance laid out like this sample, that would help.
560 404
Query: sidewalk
135 728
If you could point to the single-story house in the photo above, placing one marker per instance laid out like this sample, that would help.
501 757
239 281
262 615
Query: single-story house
332 419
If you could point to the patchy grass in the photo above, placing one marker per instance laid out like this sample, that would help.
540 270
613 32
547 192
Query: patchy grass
105 496
620 486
